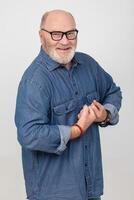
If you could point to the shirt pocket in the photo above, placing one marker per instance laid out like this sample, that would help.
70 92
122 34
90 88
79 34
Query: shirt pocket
91 96
66 113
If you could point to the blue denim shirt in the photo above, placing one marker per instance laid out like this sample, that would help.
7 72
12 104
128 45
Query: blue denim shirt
48 102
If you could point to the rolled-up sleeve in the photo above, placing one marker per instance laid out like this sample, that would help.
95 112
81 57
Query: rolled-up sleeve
113 113
65 132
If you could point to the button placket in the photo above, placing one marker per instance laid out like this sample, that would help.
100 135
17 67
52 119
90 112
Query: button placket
86 164
86 157
73 82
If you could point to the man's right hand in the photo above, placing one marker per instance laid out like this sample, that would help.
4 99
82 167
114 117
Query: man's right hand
85 118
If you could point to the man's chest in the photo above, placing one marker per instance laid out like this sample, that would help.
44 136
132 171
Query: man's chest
70 91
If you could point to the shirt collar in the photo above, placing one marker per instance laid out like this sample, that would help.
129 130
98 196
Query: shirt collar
51 64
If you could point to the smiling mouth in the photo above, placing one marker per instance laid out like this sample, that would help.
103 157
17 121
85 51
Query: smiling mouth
64 49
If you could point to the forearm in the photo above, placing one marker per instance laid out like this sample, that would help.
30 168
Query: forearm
75 132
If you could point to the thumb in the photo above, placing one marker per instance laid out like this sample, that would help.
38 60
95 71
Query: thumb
85 106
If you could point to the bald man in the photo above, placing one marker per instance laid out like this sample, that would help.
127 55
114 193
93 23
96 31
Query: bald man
63 97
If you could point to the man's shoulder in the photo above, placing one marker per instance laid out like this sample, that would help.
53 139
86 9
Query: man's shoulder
35 74
84 57
88 61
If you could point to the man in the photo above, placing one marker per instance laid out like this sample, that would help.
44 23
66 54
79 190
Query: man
62 98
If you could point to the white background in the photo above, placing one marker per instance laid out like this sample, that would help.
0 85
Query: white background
106 32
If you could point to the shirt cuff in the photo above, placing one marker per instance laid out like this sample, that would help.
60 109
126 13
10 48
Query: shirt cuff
113 113
65 133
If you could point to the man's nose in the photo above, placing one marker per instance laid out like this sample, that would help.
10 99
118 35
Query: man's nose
64 40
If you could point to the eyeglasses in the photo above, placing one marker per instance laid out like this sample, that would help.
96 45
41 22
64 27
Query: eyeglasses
58 35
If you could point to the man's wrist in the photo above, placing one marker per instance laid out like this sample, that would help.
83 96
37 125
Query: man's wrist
75 132
106 120
80 128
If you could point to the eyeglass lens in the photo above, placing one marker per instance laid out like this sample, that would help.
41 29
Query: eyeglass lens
59 35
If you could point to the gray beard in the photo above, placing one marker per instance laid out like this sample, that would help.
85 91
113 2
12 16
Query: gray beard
59 59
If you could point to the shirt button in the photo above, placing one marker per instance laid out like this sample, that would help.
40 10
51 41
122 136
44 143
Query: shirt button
85 164
85 146
76 92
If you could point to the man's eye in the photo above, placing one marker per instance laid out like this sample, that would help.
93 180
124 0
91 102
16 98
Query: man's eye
57 34
71 33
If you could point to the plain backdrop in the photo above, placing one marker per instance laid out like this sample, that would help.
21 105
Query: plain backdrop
106 32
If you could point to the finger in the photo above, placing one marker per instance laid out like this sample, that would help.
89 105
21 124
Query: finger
92 112
85 106
96 110
81 111
97 104
78 116
90 109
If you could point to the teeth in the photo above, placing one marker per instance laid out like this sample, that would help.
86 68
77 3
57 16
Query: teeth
64 49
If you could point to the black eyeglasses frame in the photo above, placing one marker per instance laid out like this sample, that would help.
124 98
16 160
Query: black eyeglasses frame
63 33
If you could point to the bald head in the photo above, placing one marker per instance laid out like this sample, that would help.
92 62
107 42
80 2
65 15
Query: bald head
54 19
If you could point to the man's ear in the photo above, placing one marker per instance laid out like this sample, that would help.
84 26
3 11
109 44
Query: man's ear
41 36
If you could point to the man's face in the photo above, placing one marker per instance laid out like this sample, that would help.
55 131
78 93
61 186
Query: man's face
61 51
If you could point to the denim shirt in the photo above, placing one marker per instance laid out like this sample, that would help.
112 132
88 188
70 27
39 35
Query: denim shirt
48 102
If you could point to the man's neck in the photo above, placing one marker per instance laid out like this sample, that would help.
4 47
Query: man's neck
68 65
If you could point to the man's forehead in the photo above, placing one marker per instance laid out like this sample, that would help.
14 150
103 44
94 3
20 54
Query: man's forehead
58 13
59 19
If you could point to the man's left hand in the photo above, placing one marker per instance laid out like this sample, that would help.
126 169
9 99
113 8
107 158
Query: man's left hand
99 111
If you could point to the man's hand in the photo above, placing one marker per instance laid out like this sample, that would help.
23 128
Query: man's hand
99 111
85 118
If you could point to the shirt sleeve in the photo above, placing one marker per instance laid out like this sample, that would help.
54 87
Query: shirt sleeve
110 94
65 132
113 113
32 118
